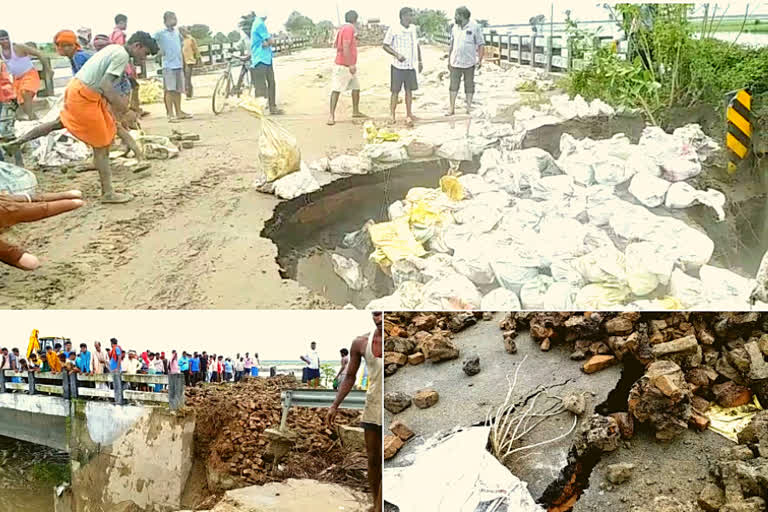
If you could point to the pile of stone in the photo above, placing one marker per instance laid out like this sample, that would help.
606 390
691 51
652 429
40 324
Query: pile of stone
687 361
741 473
230 436
412 338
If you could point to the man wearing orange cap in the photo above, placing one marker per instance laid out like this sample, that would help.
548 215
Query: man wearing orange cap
68 46
89 102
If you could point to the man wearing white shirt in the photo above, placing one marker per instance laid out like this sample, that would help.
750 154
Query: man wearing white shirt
464 56
131 366
313 365
402 42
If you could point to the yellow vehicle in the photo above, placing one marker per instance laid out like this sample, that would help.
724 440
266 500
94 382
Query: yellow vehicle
36 343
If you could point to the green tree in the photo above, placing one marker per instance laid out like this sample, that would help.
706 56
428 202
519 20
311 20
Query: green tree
200 32
328 374
324 29
220 37
233 37
298 24
431 22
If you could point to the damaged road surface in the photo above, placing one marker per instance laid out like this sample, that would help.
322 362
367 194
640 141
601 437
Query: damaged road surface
590 411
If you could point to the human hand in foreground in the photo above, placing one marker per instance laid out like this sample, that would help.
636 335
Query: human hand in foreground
16 209
331 416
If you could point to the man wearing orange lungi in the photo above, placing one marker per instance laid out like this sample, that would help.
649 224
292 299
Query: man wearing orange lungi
90 99
26 80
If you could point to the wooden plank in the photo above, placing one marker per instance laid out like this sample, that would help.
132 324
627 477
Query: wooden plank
47 388
144 396
99 393
49 375
145 379
21 386
102 377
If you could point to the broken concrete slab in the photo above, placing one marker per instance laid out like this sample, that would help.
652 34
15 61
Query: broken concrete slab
297 496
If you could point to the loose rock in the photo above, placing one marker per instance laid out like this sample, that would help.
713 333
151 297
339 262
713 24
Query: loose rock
472 365
396 401
425 398
619 473
401 430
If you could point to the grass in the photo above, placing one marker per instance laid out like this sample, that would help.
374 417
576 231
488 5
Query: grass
51 472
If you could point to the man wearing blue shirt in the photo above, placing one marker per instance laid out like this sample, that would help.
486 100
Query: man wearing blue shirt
262 72
194 369
67 348
84 359
170 43
184 367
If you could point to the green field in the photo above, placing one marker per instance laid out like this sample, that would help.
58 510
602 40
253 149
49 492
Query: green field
751 26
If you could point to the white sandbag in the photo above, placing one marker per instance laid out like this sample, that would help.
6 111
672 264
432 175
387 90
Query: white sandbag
471 261
16 180
705 146
598 107
386 154
683 195
397 209
550 186
296 184
500 299
725 288
560 296
386 303
561 238
649 190
474 185
535 161
604 265
639 162
496 168
497 199
610 170
349 164
321 165
481 217
533 292
678 159
410 294
564 271
457 149
407 269
647 267
691 247
450 293
579 167
599 204
598 296
349 270
687 289
633 222
511 270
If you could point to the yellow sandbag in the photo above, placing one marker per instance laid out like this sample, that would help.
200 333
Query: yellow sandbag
394 241
150 91
728 422
373 135
278 149
452 187
601 296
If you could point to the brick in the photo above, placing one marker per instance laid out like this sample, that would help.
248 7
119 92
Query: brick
416 358
758 368
401 430
619 325
666 384
597 363
392 445
698 421
425 398
686 345
730 394
395 358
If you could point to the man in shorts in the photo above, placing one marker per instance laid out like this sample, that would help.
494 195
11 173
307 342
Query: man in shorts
368 348
171 44
402 42
345 71
465 55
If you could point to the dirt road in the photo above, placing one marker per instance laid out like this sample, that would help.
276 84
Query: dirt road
190 239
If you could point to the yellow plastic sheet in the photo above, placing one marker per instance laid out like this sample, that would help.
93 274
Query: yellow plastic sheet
150 91
452 187
728 422
394 241
373 135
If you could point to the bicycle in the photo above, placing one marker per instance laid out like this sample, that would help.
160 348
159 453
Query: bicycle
225 86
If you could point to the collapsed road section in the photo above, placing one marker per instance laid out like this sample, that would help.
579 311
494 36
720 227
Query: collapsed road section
579 412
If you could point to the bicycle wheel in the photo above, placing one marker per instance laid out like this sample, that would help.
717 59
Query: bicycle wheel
221 93
244 83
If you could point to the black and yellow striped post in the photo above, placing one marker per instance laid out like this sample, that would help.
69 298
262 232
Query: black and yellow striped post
738 138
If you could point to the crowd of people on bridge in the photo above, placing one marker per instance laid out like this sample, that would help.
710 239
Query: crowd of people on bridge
195 366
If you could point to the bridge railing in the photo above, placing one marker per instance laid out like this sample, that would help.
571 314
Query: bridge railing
551 53
116 387
317 398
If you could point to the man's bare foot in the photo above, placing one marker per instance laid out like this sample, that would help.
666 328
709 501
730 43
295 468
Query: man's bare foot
450 113
409 121
173 119
359 115
115 198
184 115
331 121
392 121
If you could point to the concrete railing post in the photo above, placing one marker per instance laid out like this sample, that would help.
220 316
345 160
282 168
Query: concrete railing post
549 54
66 392
117 381
520 50
533 51
2 381
31 382
176 391
509 48
72 377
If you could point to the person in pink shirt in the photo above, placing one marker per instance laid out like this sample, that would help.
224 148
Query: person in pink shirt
174 363
344 76
118 36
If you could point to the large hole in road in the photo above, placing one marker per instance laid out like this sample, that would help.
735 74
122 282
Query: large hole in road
309 228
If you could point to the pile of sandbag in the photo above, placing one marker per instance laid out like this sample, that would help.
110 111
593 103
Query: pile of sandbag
559 234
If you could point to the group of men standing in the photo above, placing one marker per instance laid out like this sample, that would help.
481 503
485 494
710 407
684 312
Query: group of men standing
402 43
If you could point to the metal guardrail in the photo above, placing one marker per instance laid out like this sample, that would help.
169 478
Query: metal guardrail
552 53
76 385
322 398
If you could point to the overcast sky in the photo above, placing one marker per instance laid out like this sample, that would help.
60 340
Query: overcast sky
273 334
51 16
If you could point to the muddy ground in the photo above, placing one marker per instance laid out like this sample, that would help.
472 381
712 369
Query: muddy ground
679 469
191 238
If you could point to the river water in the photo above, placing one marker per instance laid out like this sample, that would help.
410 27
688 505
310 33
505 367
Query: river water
26 482
743 38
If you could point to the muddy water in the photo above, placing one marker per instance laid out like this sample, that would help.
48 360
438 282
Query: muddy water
26 475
